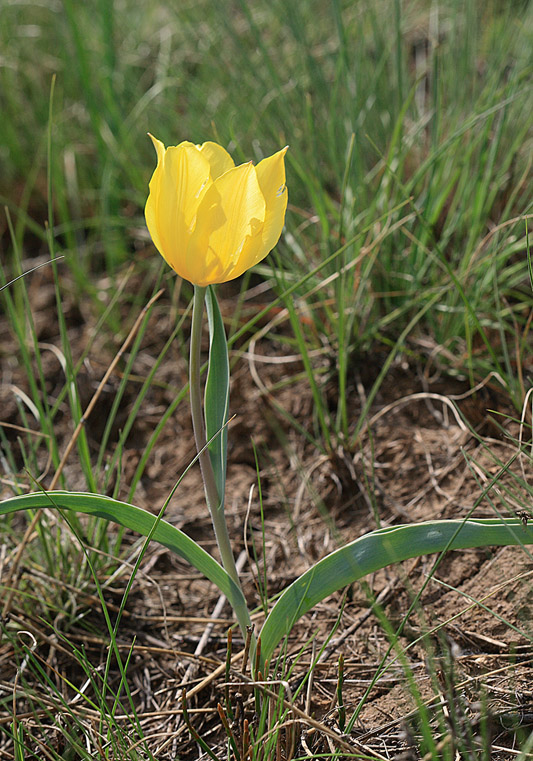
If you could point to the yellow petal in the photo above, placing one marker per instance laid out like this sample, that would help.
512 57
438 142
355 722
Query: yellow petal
159 147
178 184
271 178
219 159
232 209
153 197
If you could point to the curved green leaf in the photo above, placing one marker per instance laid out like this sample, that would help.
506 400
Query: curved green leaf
373 551
136 519
216 400
363 556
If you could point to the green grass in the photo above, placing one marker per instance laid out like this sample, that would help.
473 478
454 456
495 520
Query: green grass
409 175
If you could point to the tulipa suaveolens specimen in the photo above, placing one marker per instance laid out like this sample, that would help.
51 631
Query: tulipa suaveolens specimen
209 219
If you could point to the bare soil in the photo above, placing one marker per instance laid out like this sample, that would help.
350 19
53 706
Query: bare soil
467 644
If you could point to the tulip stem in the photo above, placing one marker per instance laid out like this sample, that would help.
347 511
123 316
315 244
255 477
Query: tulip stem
215 502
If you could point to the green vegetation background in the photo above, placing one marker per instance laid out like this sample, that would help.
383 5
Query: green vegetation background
408 122
409 174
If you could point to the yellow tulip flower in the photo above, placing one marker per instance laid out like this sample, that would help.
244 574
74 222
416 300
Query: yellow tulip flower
209 219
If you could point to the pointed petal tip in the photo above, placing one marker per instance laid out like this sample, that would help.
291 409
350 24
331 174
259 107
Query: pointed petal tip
280 155
158 145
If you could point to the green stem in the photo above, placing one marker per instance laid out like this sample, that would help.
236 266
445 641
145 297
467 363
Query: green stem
215 501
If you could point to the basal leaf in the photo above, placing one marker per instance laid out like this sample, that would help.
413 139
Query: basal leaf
376 550
136 519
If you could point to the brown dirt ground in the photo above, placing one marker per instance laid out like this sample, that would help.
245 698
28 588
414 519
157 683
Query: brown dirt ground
419 463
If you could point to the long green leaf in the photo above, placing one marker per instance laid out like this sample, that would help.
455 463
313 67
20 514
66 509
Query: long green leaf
136 519
216 401
376 550
361 557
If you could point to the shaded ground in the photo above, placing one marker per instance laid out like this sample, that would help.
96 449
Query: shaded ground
416 460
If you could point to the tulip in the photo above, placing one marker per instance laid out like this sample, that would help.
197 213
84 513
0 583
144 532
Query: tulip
209 219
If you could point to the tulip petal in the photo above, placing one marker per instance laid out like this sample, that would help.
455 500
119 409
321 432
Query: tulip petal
178 184
159 147
232 210
271 178
152 200
219 159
